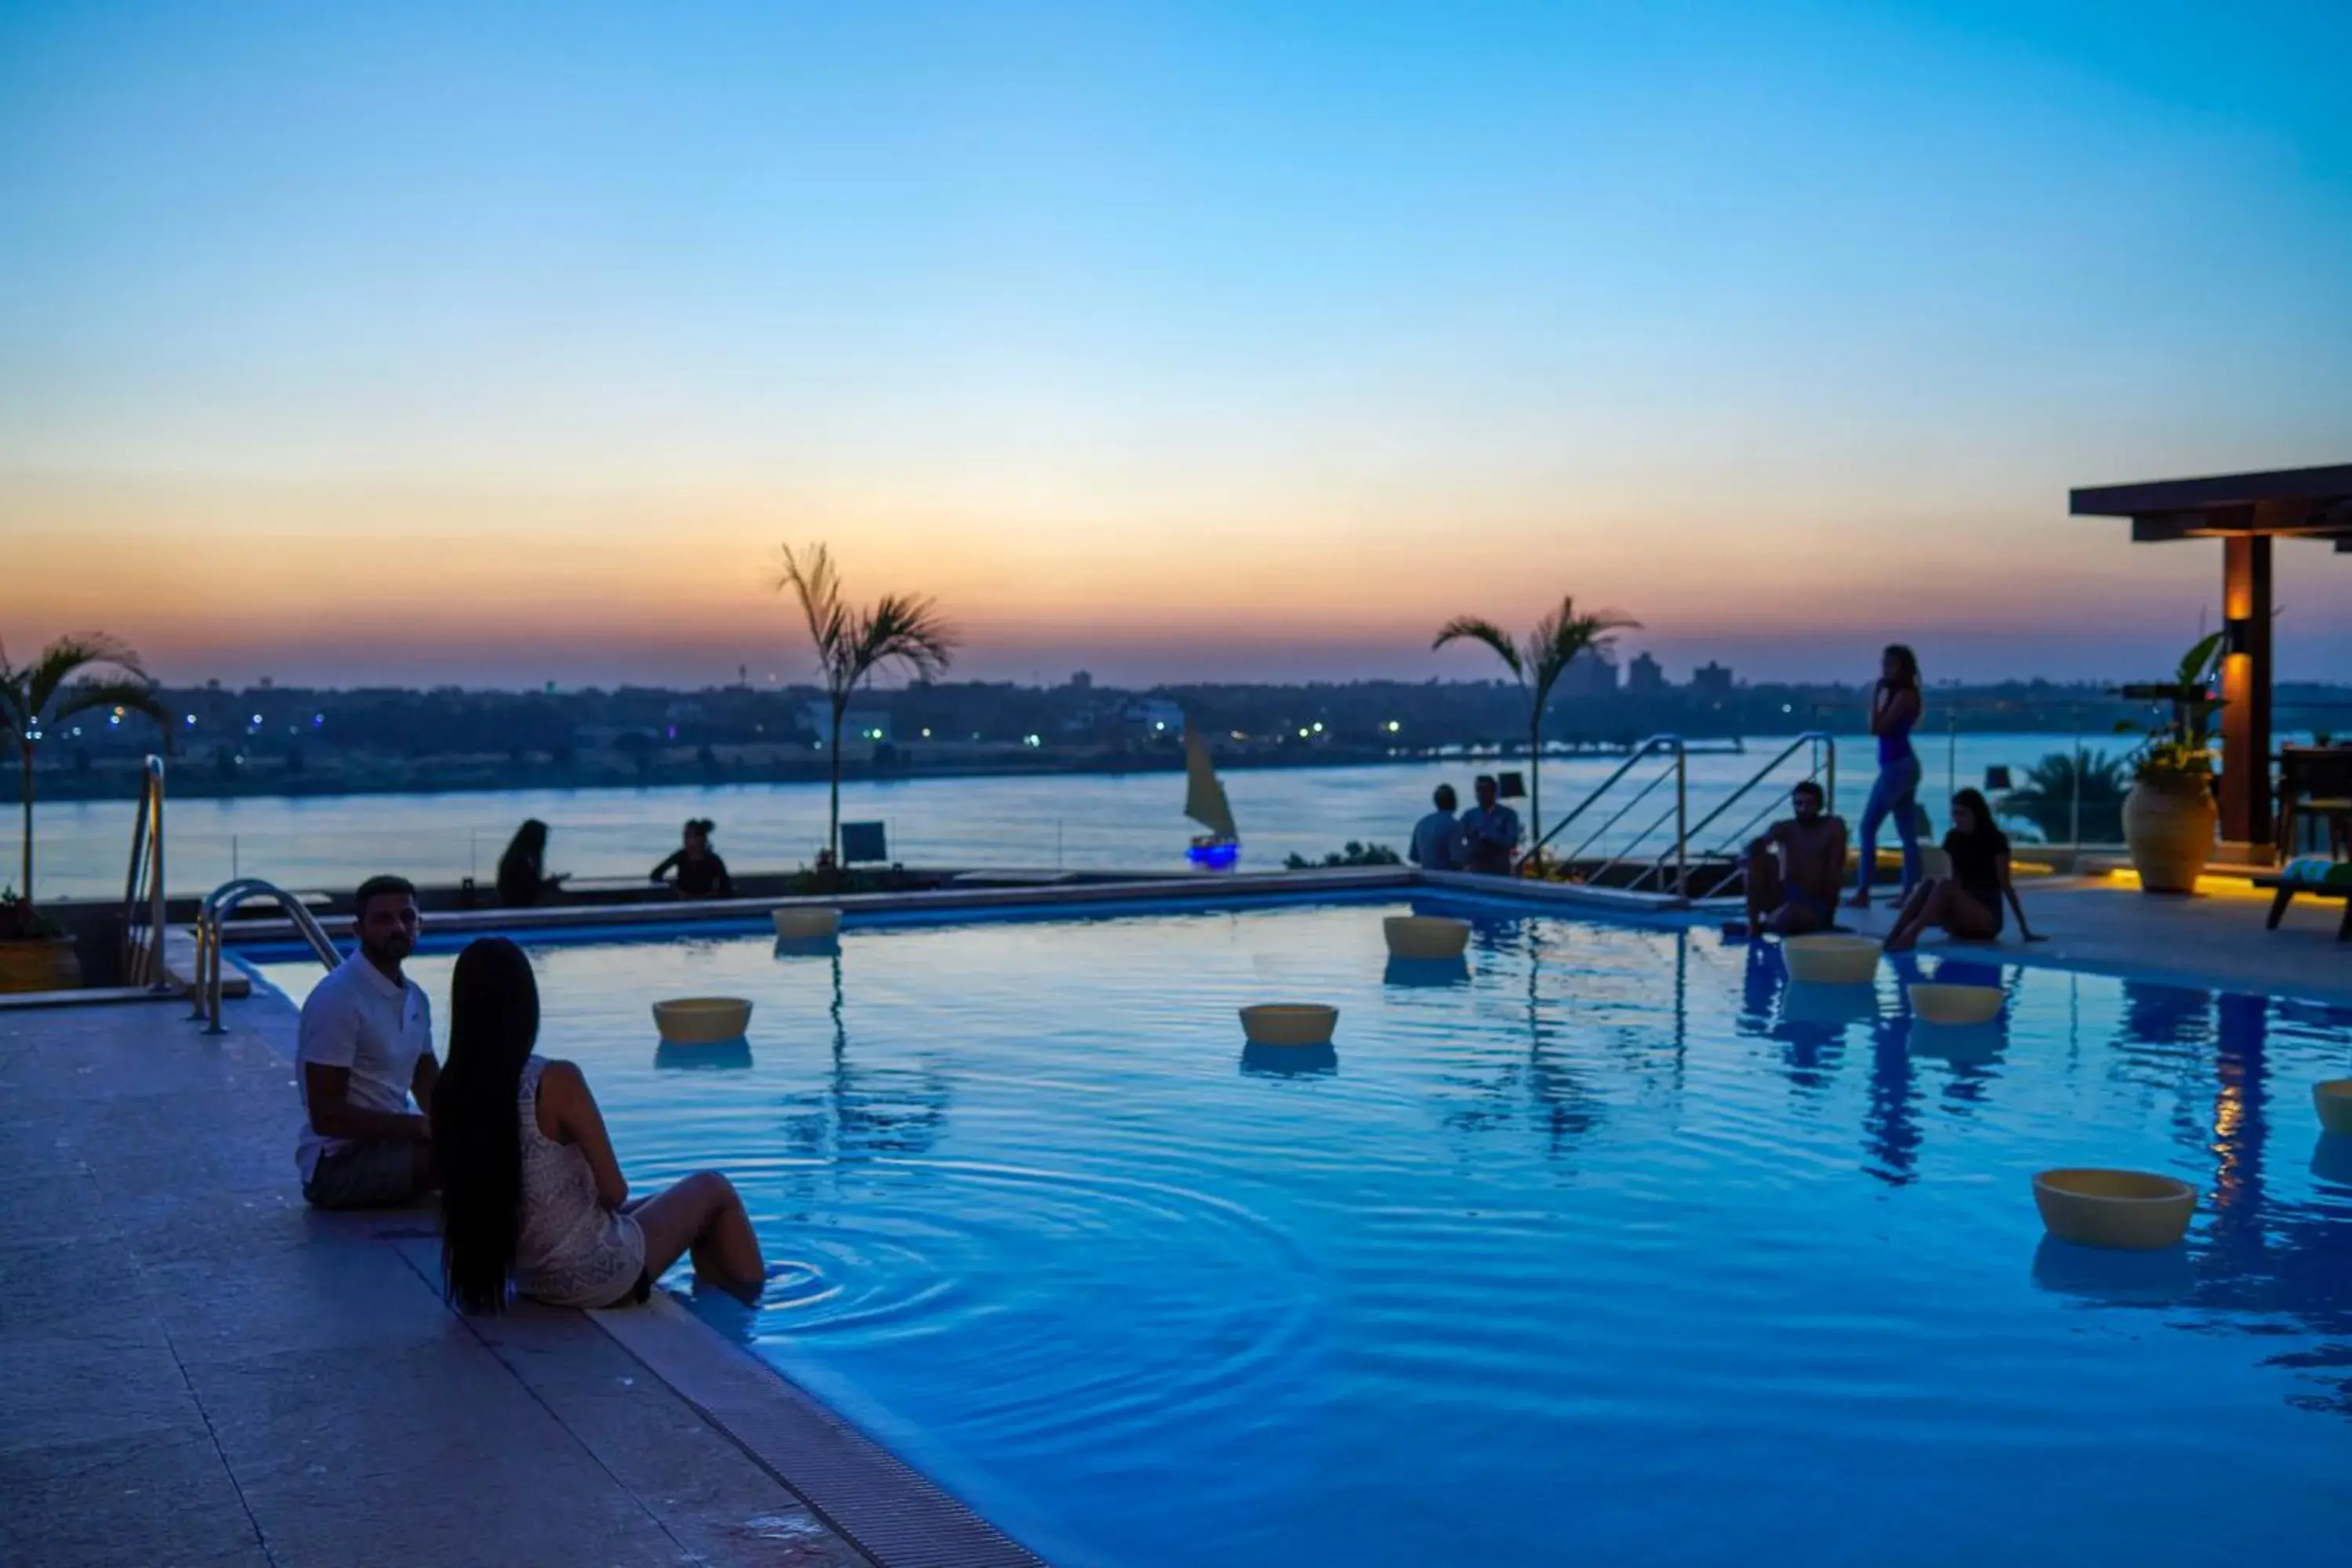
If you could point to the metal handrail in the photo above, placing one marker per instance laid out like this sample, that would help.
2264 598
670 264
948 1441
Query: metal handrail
218 906
143 941
1676 857
1810 737
1655 742
1826 765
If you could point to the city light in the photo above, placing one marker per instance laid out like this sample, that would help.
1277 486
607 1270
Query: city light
256 718
1394 726
1302 734
1031 740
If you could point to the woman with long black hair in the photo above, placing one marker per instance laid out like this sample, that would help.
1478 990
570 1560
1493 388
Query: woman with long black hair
1968 904
531 1196
1894 707
523 881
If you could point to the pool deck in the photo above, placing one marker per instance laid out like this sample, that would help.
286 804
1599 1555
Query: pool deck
203 1370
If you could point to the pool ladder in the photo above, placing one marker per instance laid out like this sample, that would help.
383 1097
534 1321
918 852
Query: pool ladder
143 888
223 901
1671 850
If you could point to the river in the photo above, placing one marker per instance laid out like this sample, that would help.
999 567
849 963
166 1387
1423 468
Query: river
1078 821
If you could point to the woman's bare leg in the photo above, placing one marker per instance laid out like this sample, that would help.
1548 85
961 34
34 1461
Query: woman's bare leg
703 1214
1926 908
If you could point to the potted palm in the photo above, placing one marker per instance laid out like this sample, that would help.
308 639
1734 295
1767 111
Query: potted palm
2169 817
34 954
72 675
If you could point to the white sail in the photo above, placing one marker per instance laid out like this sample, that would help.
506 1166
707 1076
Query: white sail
1204 797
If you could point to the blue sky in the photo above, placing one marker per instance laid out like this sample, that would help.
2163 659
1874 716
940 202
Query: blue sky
1166 341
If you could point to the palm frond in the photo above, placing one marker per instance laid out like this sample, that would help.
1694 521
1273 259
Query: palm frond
1563 634
810 575
1478 629
136 696
60 661
907 629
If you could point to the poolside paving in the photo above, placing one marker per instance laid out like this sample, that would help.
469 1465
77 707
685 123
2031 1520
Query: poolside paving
2216 938
195 1368
200 1370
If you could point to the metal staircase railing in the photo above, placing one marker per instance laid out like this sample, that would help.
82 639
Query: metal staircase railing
1821 748
142 887
218 905
1666 842
1669 745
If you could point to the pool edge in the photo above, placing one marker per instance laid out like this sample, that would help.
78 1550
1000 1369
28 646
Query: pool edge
863 1491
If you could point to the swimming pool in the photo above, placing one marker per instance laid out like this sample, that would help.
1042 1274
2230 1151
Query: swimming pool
1615 1250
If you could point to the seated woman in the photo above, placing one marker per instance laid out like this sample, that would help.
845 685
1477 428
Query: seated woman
523 881
701 874
1968 904
531 1194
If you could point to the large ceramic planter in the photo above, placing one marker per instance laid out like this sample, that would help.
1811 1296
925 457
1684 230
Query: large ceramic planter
2168 827
39 964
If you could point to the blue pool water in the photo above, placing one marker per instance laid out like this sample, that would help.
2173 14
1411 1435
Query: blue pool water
1613 1250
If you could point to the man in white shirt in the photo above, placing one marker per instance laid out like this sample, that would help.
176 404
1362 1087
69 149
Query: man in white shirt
364 1047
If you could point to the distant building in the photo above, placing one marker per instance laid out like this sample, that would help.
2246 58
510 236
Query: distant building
1588 674
1645 676
1711 679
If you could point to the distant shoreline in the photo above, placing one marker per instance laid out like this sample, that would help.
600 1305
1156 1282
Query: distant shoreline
191 779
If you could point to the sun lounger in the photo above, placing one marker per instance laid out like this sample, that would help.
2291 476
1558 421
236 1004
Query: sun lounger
2321 879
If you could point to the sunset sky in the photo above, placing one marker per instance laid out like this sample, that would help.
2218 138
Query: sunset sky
500 344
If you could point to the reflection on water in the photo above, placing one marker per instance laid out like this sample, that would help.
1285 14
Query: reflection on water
1432 971
1290 1061
1614 1191
704 1058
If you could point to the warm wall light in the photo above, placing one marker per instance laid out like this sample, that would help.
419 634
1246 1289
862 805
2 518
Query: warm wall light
2238 634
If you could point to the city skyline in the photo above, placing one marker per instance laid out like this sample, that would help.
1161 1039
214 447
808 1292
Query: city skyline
1222 343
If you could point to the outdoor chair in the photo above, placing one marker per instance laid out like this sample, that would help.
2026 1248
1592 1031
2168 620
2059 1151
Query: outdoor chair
2319 879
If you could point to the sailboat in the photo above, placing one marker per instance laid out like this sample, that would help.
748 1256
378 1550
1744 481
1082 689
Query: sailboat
1204 802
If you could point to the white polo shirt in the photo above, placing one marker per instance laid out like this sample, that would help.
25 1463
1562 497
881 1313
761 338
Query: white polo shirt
361 1019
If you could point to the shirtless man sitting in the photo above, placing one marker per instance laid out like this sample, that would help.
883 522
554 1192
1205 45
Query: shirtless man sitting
1796 868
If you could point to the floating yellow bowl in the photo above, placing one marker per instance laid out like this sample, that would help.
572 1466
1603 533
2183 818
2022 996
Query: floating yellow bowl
2333 1101
702 1020
803 923
2131 1209
1955 1004
1830 959
1288 1024
1425 936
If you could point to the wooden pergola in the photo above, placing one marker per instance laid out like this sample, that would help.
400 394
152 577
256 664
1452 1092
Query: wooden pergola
2245 512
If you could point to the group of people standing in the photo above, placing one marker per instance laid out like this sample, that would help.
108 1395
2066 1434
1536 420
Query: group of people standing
1483 838
1797 869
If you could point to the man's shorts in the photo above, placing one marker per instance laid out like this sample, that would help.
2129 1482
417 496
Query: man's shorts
363 1175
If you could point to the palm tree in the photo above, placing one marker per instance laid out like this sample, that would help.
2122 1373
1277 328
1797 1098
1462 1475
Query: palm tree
1557 638
851 643
73 675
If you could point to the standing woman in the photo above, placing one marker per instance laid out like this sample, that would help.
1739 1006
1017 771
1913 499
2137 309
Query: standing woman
532 1196
1895 704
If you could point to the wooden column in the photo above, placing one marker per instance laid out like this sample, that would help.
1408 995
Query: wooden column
2246 688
